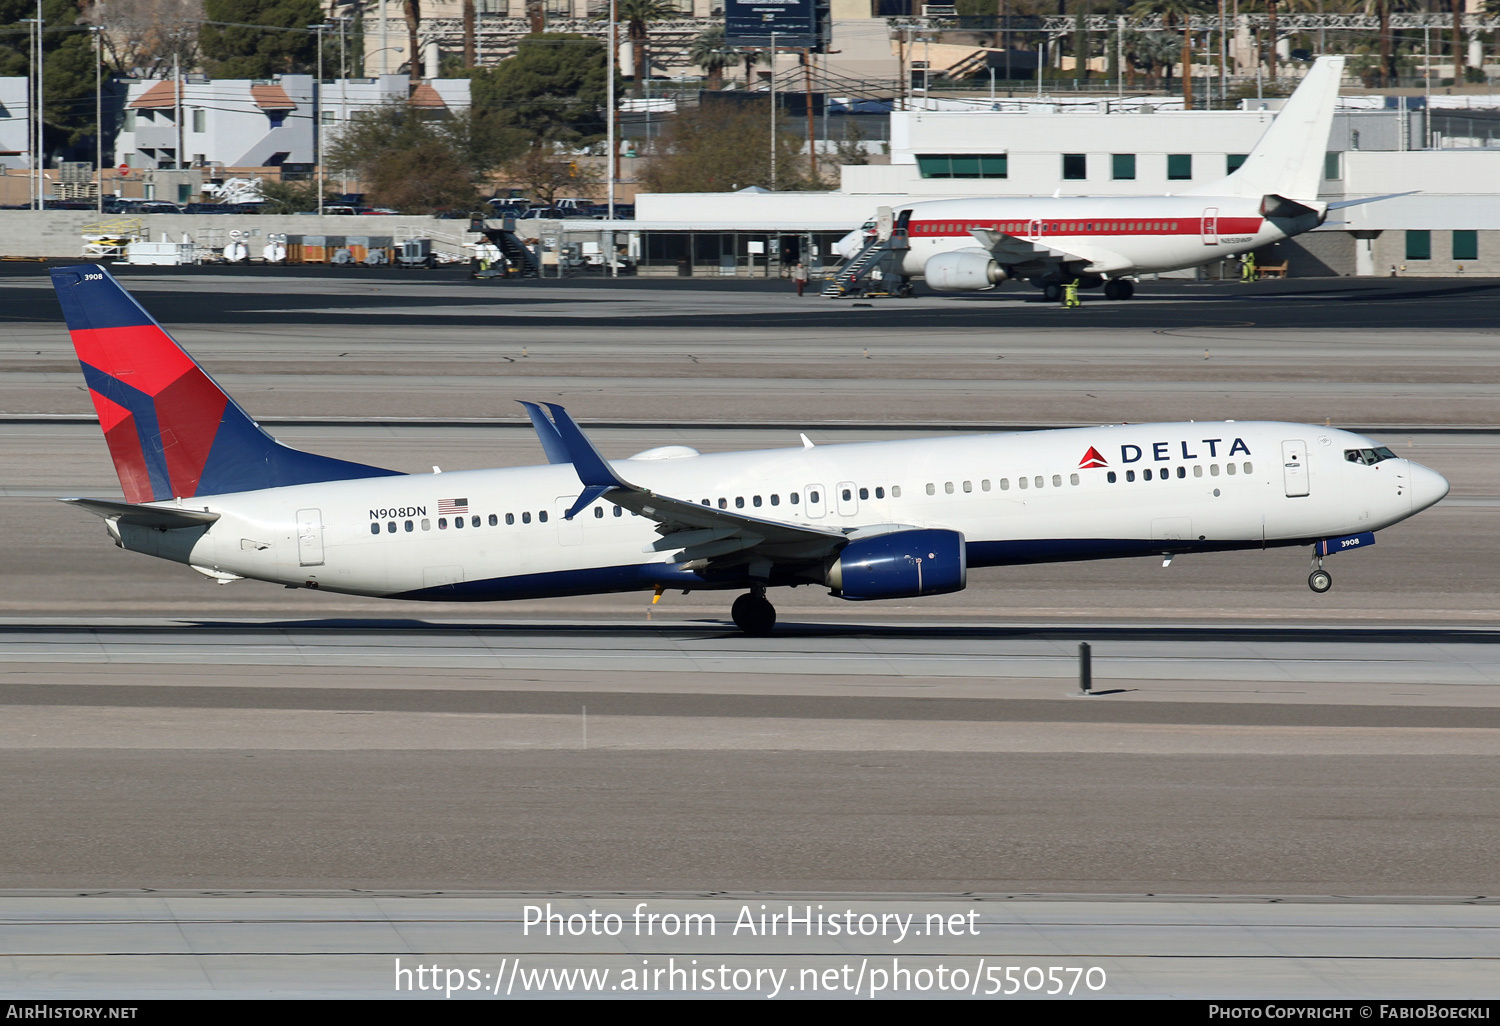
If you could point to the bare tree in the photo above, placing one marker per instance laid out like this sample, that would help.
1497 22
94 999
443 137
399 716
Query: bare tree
142 36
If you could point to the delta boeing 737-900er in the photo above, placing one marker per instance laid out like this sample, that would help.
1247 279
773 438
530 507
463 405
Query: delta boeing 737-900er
965 245
205 486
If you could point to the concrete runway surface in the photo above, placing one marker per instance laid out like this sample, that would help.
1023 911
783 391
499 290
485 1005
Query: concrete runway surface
158 731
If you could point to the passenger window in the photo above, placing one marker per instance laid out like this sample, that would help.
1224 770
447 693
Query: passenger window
1146 474
1182 471
618 511
525 519
1021 483
775 499
374 528
1040 481
879 493
968 486
794 498
1072 479
1197 470
391 527
984 485
948 487
510 518
442 523
542 517
814 497
494 520
706 502
848 494
1056 480
1005 484
410 527
864 493
1229 469
1129 475
739 502
1213 470
895 491
1249 469
458 522
426 524
598 512
474 521
930 489
755 501
1110 477
723 503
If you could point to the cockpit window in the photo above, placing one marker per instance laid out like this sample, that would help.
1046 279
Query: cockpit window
1369 457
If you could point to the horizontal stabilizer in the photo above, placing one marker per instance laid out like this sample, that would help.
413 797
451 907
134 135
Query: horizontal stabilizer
1341 204
165 518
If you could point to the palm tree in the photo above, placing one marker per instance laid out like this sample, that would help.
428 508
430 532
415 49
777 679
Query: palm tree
1177 12
637 14
413 11
711 52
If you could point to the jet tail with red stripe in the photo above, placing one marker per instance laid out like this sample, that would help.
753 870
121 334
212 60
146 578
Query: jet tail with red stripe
171 430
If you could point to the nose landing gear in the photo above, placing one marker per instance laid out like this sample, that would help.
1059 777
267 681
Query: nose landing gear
1319 580
753 613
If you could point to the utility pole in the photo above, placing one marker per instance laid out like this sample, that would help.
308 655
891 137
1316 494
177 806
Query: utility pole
611 144
98 31
773 112
812 142
318 114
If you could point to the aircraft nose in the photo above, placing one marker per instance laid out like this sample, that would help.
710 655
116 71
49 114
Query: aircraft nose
1427 487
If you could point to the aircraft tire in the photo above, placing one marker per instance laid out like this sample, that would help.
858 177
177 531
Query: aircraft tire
753 614
1320 581
1119 288
1052 293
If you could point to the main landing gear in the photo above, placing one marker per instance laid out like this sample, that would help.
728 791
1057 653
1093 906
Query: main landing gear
753 614
1119 288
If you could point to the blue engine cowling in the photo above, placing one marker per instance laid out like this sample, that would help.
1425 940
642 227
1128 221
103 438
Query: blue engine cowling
901 564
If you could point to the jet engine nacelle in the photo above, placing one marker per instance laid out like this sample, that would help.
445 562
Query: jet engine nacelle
900 564
964 270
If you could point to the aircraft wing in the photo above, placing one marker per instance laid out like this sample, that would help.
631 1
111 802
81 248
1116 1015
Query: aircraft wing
689 529
1012 250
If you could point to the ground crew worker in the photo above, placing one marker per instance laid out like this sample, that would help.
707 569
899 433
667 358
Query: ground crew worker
799 275
1070 295
1247 267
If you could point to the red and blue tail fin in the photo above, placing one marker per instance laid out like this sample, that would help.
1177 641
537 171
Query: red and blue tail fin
173 432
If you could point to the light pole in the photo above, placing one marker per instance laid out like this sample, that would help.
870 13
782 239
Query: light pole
318 114
773 112
98 30
34 134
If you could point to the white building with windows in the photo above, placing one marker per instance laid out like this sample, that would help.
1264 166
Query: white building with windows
243 124
15 119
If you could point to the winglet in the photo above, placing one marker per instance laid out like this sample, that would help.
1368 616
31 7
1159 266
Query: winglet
552 443
593 471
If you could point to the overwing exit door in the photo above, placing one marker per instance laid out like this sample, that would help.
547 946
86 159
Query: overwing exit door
309 537
1294 467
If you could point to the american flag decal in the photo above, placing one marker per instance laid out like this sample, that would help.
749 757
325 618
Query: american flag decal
453 506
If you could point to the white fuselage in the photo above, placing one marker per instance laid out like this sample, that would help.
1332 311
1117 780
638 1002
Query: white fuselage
1113 236
1016 498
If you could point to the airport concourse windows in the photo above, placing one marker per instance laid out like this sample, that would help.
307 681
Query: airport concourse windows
1072 479
1129 475
1419 245
1213 470
1198 470
1075 167
1146 474
525 519
775 499
755 500
1333 166
542 517
1122 167
948 487
968 486
1233 162
1056 480
739 502
1110 477
410 527
374 528
426 524
931 490
510 518
1179 167
1465 245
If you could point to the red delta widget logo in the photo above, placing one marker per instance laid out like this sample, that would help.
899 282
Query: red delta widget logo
1161 452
